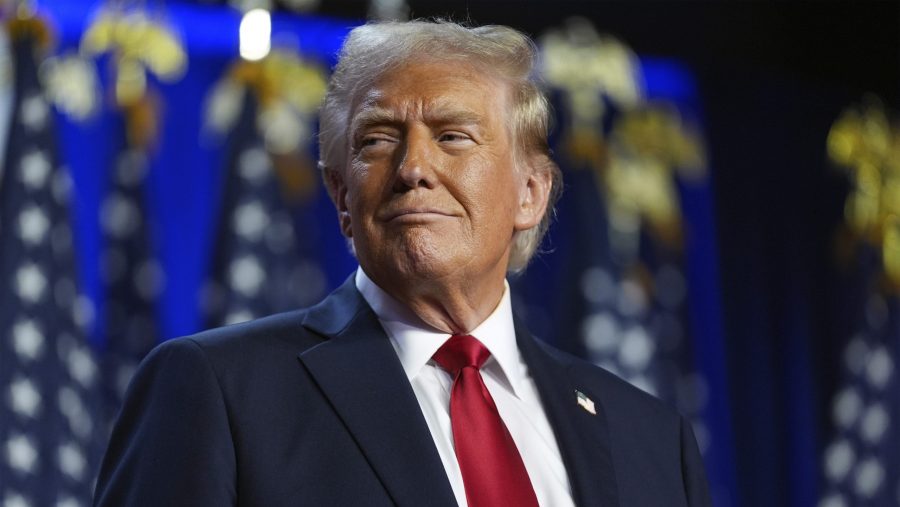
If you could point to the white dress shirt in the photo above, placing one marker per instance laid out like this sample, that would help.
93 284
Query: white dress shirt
506 376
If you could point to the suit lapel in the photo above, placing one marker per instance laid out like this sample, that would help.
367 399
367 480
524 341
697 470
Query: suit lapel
583 437
360 374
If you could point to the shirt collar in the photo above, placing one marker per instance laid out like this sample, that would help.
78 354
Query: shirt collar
415 341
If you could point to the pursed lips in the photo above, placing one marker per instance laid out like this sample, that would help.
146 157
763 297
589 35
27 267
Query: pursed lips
416 214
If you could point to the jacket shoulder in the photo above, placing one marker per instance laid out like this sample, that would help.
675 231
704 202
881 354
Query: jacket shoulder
278 331
648 439
239 349
621 398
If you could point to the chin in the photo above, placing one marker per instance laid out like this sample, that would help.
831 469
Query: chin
416 255
425 261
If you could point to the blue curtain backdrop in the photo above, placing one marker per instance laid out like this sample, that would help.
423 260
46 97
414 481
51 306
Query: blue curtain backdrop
184 171
775 463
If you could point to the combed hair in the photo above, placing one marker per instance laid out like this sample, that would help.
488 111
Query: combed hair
376 48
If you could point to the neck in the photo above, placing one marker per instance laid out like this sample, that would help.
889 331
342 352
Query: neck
450 304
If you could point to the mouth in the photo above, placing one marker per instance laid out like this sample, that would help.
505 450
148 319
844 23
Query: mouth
417 215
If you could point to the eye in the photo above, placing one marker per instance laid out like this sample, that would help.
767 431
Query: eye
453 137
374 141
370 141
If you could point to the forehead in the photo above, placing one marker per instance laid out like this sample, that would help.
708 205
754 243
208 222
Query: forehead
429 88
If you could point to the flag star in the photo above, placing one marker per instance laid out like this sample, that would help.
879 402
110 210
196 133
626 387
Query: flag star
246 276
636 349
61 74
119 216
254 165
24 397
846 407
875 422
879 368
27 339
73 409
856 354
68 501
71 461
30 283
34 168
282 129
21 454
833 500
839 459
224 105
869 476
601 333
34 112
237 316
33 225
81 366
15 500
251 221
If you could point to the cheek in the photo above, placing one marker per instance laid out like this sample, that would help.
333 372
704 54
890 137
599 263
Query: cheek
493 203
362 189
501 185
489 175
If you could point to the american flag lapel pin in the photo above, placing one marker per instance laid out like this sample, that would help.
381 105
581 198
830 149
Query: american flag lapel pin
585 402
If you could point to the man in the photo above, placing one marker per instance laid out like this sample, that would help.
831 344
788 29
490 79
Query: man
412 384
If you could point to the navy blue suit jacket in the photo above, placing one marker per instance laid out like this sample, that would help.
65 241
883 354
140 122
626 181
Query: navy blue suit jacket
313 408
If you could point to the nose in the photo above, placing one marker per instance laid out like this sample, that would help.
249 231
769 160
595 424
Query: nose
416 168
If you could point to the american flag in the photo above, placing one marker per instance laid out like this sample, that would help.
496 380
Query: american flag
261 266
623 291
861 462
132 276
50 438
629 316
623 296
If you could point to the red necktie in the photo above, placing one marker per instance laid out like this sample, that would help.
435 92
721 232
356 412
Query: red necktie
492 470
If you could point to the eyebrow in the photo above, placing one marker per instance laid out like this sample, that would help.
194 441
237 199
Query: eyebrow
440 113
459 117
371 116
444 112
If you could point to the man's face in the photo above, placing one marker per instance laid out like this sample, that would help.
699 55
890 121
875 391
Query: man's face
431 189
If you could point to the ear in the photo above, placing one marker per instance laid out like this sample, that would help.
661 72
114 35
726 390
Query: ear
534 193
337 190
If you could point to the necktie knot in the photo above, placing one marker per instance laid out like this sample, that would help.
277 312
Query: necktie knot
461 351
